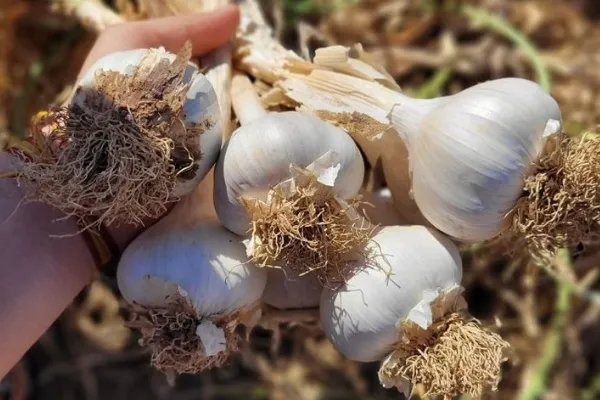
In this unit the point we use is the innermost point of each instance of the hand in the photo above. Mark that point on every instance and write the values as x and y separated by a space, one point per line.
41 274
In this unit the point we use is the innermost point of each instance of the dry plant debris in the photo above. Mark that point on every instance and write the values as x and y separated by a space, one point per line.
118 152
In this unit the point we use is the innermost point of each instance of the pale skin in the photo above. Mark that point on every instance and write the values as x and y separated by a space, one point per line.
42 274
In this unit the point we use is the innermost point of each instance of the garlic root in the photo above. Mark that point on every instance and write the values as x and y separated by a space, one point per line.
119 149
454 356
561 202
177 343
307 230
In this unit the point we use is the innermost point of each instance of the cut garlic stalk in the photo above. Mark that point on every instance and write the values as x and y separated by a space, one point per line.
142 129
190 285
284 178
404 306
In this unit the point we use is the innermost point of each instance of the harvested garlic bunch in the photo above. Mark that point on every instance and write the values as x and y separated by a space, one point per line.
404 307
469 153
284 177
142 129
288 290
190 285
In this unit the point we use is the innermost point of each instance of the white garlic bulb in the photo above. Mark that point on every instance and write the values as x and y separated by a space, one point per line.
469 152
202 264
286 290
200 106
258 155
410 263
404 307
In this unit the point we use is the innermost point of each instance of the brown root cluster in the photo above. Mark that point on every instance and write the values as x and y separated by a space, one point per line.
308 231
455 356
561 203
170 334
117 152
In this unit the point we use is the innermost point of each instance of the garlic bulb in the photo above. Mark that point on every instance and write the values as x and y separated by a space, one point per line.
200 106
287 290
259 153
193 282
470 152
142 129
408 288
281 173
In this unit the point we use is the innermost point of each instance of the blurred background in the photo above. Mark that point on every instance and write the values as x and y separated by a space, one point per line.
431 48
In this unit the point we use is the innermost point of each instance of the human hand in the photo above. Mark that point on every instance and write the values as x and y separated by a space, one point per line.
42 274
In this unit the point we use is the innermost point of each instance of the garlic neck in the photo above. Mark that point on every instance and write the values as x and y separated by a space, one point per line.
245 100
408 114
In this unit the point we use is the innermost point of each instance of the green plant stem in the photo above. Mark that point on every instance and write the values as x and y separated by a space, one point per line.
552 346
503 27
589 295
433 87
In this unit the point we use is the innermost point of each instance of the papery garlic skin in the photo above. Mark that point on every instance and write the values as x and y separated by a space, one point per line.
286 290
258 157
469 152
200 106
202 262
410 264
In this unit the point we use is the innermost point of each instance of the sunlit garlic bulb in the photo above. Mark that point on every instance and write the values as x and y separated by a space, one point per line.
285 175
404 306
142 128
190 285
470 152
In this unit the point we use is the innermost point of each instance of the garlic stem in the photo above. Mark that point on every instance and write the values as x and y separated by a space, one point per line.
246 103
407 114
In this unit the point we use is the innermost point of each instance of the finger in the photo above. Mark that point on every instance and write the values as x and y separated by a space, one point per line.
206 31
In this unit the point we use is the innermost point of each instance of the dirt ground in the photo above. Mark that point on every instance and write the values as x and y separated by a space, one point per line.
551 319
